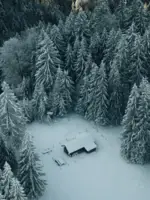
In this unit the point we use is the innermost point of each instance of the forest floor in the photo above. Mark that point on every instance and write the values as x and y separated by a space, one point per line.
101 175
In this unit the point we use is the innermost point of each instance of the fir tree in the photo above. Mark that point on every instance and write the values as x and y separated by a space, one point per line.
58 40
101 96
140 142
7 155
47 62
27 107
129 123
69 63
30 171
81 59
137 61
6 180
16 191
39 102
111 43
2 197
12 119
91 110
82 99
62 94
115 95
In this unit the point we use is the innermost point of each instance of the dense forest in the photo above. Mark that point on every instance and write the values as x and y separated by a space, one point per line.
54 62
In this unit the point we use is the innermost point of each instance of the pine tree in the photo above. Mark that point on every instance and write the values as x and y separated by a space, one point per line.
30 171
140 143
39 102
146 44
81 59
47 62
82 99
27 107
62 94
129 123
115 95
7 155
111 43
91 110
16 191
137 61
58 40
6 180
101 96
69 63
12 119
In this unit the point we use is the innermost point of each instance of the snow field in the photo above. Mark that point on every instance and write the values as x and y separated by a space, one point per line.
101 175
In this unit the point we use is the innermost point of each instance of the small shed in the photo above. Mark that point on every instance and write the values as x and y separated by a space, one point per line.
79 145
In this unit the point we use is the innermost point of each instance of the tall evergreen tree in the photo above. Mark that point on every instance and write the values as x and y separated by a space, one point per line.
39 102
140 143
12 119
69 62
58 40
7 155
137 61
101 96
115 95
2 197
62 93
30 171
129 123
91 110
6 180
16 191
111 43
81 59
47 62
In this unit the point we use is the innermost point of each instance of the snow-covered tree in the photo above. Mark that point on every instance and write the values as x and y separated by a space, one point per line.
101 96
82 99
7 155
6 180
62 93
140 139
81 59
58 40
12 119
27 107
69 60
137 61
16 191
111 43
129 123
47 63
39 102
91 110
115 95
69 27
30 170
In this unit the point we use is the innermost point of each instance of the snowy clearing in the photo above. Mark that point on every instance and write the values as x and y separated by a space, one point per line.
101 175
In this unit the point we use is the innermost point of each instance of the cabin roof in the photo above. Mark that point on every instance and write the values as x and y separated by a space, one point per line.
80 142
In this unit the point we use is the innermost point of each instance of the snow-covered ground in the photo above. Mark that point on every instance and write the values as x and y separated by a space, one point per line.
101 175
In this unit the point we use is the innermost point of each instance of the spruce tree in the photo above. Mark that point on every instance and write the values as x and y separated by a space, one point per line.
16 191
81 59
140 142
7 155
111 43
47 63
30 170
69 63
115 95
58 40
69 27
129 123
62 94
137 61
39 102
101 96
91 110
2 197
12 119
6 180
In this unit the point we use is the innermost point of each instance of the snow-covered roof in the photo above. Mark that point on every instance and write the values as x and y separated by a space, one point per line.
84 141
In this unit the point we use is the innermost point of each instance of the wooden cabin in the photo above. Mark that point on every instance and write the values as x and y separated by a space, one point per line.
79 145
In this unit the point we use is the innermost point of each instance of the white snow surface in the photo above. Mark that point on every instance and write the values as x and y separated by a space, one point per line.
101 175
